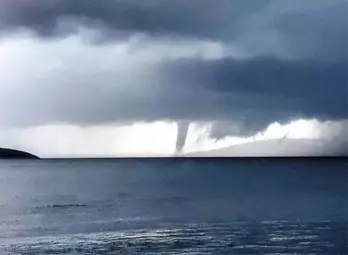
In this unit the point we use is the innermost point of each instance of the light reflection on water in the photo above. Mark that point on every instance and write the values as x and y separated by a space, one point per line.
220 238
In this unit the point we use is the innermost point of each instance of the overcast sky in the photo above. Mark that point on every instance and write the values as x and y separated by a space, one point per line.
117 77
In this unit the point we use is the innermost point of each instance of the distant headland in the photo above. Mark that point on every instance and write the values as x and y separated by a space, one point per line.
15 154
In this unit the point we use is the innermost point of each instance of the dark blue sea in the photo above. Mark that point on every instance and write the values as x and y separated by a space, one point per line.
174 206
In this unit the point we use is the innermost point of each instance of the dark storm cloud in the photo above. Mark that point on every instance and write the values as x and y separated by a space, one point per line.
320 33
264 89
252 93
197 17
297 28
303 75
296 22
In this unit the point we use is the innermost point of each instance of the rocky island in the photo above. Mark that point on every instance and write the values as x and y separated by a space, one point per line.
15 154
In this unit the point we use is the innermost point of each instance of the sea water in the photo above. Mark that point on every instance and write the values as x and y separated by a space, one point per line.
173 206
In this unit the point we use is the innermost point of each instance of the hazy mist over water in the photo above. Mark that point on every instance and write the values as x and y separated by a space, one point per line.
173 206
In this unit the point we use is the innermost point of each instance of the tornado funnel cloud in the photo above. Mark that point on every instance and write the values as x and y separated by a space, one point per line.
183 127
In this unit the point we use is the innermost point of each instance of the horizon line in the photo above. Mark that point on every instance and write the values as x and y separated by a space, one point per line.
198 158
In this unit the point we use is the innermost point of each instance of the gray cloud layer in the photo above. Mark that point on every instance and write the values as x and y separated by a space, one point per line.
301 28
196 17
293 60
253 92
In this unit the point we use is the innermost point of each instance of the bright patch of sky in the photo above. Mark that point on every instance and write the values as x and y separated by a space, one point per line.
150 139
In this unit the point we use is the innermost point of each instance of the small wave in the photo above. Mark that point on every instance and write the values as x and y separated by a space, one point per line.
287 238
59 206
